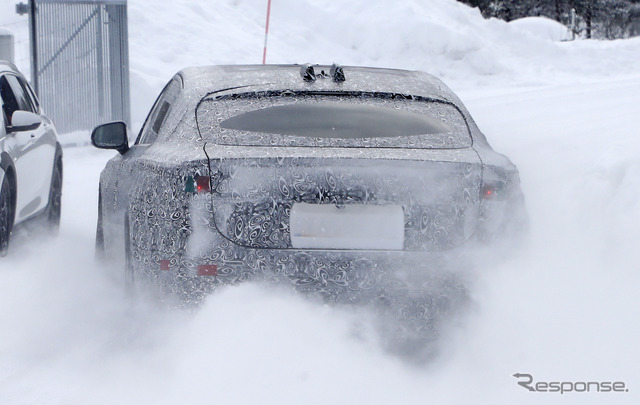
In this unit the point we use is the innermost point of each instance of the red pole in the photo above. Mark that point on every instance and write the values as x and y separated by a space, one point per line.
266 33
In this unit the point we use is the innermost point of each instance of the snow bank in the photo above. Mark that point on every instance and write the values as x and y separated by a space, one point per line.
543 28
442 37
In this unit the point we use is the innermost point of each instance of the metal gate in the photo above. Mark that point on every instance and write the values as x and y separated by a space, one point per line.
80 61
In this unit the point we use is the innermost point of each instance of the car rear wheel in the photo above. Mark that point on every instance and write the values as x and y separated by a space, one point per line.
55 201
128 260
100 249
6 216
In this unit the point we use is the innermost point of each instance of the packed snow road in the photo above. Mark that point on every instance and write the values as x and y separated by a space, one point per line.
563 309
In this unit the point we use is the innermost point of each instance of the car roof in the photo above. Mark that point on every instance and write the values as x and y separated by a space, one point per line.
200 81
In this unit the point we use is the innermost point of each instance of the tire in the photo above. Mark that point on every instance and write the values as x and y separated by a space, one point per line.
54 207
100 249
6 216
128 260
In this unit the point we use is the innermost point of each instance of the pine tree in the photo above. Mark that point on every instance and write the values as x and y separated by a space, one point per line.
586 9
609 18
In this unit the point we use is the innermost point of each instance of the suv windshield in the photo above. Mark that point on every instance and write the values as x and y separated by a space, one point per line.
325 119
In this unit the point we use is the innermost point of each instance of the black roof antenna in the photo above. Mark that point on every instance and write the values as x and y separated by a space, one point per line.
307 73
337 73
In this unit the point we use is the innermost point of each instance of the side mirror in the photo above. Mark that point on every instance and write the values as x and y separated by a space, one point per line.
24 121
111 136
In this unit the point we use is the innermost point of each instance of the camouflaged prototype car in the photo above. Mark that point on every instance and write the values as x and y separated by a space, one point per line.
348 183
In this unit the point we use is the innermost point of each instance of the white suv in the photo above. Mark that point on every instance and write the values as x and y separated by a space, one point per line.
30 158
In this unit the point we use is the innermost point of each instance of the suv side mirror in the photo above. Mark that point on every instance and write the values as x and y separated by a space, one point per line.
112 135
24 121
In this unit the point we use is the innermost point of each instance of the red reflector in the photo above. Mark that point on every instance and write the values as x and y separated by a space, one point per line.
164 264
207 270
488 192
202 184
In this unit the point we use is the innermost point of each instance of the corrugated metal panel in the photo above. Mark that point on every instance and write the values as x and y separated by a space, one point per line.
6 46
83 1
82 58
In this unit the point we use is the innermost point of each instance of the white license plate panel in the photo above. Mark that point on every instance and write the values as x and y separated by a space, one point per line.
358 227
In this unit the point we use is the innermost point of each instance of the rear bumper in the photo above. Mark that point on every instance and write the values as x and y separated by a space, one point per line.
412 285
189 257
418 290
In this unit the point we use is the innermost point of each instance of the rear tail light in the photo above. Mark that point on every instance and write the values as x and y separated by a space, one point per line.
498 184
203 184
197 184
493 191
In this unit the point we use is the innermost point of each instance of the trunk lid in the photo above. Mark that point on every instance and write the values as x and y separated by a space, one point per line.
345 198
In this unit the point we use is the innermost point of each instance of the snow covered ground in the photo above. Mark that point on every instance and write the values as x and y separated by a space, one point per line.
564 309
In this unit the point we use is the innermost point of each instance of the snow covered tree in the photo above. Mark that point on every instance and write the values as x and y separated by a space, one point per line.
601 18
586 9
513 9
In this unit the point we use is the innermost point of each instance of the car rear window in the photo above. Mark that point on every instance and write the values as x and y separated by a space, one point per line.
331 119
